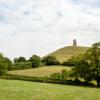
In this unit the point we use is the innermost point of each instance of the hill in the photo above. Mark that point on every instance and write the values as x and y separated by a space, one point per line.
65 53
23 90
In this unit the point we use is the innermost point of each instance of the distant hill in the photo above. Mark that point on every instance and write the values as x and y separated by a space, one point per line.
65 53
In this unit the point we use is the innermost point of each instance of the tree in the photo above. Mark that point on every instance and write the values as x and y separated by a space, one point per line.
82 69
21 59
93 58
87 66
70 61
35 60
15 60
64 74
50 60
9 63
5 64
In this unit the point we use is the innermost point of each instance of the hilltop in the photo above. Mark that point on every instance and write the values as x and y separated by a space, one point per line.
66 52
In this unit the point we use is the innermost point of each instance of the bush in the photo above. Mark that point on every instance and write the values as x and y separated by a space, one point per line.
9 63
35 60
50 60
69 62
25 78
21 66
21 59
63 75
2 72
4 64
55 76
45 80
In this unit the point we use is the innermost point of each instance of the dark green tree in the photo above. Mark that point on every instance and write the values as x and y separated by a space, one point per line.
5 64
15 60
70 61
21 59
87 66
35 60
82 69
93 58
9 63
50 60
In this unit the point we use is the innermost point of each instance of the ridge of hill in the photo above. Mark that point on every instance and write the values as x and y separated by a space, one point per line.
66 52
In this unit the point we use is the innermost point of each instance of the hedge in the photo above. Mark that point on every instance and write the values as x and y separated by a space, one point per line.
45 80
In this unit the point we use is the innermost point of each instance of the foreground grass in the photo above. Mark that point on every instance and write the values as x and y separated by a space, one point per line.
39 72
22 90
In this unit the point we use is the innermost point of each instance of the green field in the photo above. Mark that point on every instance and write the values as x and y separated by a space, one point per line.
39 72
65 53
22 90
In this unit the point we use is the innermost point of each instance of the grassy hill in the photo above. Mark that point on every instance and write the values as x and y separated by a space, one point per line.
39 72
65 53
23 90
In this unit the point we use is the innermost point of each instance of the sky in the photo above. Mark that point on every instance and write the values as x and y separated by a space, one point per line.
39 27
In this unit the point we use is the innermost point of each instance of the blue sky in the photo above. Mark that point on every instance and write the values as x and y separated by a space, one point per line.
30 27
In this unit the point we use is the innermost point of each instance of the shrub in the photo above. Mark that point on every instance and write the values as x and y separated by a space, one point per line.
4 64
2 72
35 60
55 76
21 66
21 59
50 60
63 75
70 62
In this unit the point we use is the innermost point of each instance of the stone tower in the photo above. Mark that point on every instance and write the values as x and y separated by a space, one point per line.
74 42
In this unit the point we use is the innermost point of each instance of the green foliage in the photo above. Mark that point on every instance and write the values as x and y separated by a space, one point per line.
87 66
55 76
15 60
82 69
5 64
35 60
70 61
21 66
2 72
60 76
21 59
9 63
93 58
50 60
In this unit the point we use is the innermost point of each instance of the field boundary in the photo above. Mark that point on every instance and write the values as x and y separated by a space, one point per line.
46 80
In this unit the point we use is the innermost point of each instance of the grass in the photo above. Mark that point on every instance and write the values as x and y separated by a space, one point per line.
22 90
39 72
65 53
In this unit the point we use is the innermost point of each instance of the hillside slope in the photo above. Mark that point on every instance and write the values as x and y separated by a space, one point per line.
40 72
65 53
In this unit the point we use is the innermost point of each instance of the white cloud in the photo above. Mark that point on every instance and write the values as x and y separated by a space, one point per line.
41 26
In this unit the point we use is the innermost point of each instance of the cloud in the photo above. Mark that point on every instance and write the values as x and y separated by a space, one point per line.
41 26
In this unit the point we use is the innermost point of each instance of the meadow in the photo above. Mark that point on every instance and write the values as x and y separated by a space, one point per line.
40 72
23 90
